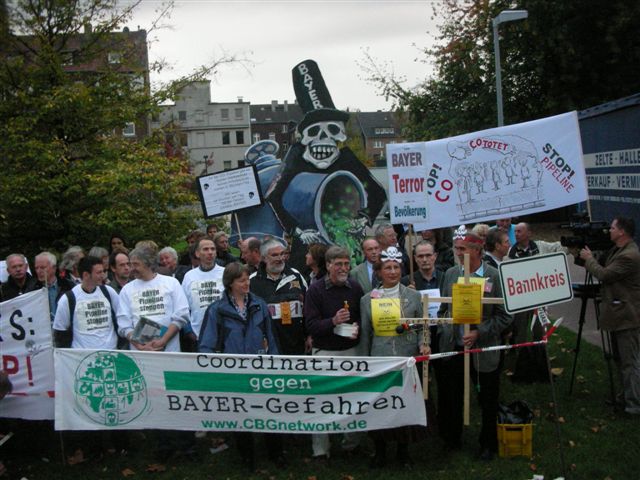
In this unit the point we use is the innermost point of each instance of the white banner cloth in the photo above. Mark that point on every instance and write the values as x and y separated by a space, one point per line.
27 356
477 177
102 389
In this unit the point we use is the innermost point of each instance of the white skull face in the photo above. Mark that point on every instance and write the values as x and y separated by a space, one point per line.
321 140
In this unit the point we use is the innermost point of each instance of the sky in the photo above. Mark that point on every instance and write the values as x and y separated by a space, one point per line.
277 35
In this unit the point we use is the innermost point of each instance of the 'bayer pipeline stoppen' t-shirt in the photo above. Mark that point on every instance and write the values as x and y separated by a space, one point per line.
202 289
92 323
160 299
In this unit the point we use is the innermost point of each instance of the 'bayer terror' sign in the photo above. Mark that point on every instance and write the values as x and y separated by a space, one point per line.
536 281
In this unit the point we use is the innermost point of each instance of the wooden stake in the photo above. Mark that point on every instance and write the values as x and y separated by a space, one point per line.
235 215
426 339
410 253
467 364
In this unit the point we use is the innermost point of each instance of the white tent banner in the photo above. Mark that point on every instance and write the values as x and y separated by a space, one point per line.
502 172
27 356
104 389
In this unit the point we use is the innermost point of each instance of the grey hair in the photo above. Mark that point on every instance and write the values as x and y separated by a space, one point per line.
51 258
71 257
268 245
336 251
98 252
171 251
379 232
146 255
14 255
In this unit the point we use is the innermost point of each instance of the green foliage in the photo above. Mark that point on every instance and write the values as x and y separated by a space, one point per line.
69 176
355 141
565 56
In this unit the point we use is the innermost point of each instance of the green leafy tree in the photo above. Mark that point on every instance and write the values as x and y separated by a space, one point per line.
565 56
69 175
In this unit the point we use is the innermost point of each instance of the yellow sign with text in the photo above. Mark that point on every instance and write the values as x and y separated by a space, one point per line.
467 302
385 316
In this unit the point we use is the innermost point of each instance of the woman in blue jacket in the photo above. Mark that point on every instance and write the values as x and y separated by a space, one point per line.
240 323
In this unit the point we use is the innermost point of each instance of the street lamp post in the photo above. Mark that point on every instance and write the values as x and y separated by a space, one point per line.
503 17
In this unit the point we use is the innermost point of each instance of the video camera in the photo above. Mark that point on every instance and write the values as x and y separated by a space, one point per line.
595 235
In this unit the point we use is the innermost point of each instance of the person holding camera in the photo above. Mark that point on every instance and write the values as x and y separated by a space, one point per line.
619 274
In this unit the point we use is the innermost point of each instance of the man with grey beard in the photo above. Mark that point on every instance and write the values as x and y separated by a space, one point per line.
283 288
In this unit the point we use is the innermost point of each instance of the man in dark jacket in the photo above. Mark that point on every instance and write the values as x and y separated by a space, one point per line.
332 315
619 275
283 288
20 281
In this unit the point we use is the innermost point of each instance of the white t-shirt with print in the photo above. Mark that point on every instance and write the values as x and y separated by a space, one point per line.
92 322
160 299
202 289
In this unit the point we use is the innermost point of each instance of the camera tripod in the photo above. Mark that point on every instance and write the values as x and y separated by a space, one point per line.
591 291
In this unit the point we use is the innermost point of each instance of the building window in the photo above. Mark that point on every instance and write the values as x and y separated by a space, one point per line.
239 137
199 116
226 138
129 130
384 131
182 115
256 137
378 144
200 139
184 140
241 163
285 129
238 113
272 136
227 164
155 117
114 57
224 113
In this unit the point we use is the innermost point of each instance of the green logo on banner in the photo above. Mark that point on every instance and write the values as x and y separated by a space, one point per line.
110 389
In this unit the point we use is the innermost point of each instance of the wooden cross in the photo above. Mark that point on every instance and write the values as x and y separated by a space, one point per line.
426 321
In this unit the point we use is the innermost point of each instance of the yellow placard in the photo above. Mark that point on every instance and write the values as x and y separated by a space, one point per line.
475 280
467 302
385 316
285 313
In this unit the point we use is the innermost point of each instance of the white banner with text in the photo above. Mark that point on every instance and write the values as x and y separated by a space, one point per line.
502 172
27 356
104 389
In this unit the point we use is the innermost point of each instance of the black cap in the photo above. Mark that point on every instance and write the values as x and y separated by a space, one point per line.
313 96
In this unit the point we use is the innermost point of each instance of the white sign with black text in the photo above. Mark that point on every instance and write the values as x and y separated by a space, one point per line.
229 191
536 281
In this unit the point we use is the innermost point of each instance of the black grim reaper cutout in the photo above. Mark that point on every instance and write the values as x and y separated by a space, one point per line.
321 193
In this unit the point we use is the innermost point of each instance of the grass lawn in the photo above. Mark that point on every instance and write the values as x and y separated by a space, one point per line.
598 443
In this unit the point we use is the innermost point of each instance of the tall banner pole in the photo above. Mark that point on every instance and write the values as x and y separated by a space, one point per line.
410 253
467 364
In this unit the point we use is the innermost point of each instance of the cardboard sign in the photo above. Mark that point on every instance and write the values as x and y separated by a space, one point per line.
467 303
532 282
229 191
385 316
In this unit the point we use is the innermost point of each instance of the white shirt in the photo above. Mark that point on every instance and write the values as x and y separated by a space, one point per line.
202 289
160 299
92 323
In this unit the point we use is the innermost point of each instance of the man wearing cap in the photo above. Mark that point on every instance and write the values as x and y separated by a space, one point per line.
485 367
